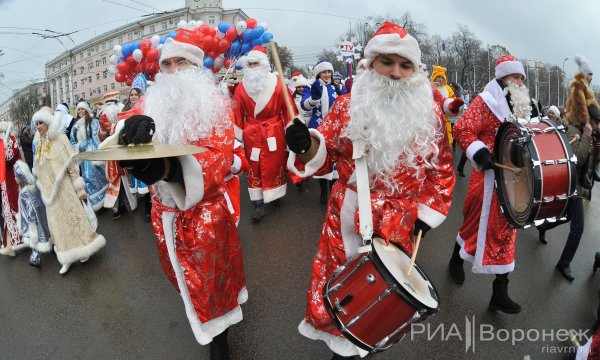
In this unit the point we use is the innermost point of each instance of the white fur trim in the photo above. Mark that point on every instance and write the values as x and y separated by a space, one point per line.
430 216
352 240
393 44
263 98
309 103
256 56
447 110
322 66
55 187
112 140
22 167
172 48
84 105
62 108
44 115
509 67
472 149
274 194
337 344
73 255
255 194
193 179
237 164
204 333
239 133
315 163
296 81
236 144
43 247
79 184
493 96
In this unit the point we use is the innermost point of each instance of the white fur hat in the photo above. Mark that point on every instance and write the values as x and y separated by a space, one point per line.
555 110
45 115
298 80
84 105
583 64
393 39
507 65
257 54
321 66
173 48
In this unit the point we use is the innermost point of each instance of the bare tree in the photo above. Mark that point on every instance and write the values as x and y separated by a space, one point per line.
467 49
26 102
285 57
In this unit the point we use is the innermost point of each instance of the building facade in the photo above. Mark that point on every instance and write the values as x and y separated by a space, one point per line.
81 73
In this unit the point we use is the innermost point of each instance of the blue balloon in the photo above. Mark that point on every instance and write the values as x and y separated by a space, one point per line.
245 48
266 37
236 46
237 67
121 59
163 39
257 42
172 34
258 31
135 45
126 50
223 26
247 35
208 61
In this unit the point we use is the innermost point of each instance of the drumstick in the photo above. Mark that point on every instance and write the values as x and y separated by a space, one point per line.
513 169
574 139
414 254
284 88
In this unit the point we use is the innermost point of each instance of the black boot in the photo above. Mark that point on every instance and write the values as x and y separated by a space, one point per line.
258 212
340 357
596 261
323 185
596 177
457 273
500 299
542 236
219 347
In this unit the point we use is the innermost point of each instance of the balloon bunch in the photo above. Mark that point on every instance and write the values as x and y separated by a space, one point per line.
140 56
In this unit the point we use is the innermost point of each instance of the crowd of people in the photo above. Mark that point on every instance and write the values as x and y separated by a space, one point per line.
404 123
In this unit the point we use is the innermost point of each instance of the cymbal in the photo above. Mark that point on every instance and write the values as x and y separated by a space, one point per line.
140 151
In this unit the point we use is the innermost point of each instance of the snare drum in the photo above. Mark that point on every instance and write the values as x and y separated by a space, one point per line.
373 302
542 190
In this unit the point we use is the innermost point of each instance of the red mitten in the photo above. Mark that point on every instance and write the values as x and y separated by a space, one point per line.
455 105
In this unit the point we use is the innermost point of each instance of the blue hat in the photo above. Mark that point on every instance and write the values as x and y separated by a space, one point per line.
337 75
321 66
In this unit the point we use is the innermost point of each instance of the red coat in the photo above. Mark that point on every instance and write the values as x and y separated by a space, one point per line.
393 215
198 244
10 195
490 244
262 120
232 181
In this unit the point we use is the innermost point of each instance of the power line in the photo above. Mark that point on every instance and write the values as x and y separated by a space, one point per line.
130 7
141 3
306 12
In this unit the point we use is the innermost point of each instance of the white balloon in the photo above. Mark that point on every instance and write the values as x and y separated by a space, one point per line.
155 40
113 59
199 22
137 55
218 62
117 50
241 26
192 24
182 24
264 24
112 69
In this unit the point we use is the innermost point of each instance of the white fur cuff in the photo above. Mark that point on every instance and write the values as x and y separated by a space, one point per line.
447 110
430 216
315 163
78 184
472 149
193 179
237 165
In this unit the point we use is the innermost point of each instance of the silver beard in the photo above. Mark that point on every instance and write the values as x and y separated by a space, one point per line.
519 99
255 79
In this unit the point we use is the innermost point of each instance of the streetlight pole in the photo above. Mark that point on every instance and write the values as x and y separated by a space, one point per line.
562 75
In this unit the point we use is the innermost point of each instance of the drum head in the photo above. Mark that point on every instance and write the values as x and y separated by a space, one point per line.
397 262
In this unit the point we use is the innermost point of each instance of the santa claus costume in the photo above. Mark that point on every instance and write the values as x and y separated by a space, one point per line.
239 166
260 112
9 190
485 238
408 160
198 243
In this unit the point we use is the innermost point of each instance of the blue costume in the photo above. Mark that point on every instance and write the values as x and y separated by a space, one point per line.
318 105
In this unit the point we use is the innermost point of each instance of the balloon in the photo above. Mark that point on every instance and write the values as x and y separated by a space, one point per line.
264 25
218 62
172 34
199 22
211 31
113 59
181 24
251 23
128 81
257 42
152 67
162 39
145 45
152 55
112 69
209 43
126 50
155 40
266 38
223 27
214 69
235 47
247 37
204 29
245 48
121 59
240 27
137 55
130 60
230 34
227 62
119 77
257 32
223 46
212 54
208 61
192 24
135 45
123 68
117 50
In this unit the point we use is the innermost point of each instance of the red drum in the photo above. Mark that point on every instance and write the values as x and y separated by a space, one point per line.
542 190
373 302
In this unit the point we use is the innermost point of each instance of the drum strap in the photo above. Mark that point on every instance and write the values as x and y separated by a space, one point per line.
365 215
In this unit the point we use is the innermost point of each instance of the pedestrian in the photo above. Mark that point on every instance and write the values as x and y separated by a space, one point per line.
408 157
67 120
260 112
62 191
485 237
338 84
26 143
198 243
298 82
33 223
84 137
554 115
11 240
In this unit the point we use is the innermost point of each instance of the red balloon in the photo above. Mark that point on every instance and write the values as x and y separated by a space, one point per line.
123 67
251 23
131 61
231 34
213 54
209 43
227 62
152 55
152 67
120 77
204 29
223 46
128 82
214 70
145 46
211 31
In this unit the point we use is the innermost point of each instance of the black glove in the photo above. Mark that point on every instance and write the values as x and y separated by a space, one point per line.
316 90
516 155
484 158
151 171
138 129
420 225
297 137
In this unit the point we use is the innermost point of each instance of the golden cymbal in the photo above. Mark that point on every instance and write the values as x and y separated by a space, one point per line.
140 151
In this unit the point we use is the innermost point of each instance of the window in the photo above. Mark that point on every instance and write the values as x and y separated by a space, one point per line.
91 93
122 85
110 44
129 36
81 70
211 20
98 90
74 72
97 76
152 29
97 48
164 25
81 56
90 65
112 86
105 88
83 95
82 82
120 40
103 61
75 85
104 74
89 78
97 62
104 45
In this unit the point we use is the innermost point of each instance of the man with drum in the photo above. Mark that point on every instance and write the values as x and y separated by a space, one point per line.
485 238
198 243
392 112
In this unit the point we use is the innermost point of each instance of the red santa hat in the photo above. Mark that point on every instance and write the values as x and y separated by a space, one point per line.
507 65
257 54
298 80
393 39
174 48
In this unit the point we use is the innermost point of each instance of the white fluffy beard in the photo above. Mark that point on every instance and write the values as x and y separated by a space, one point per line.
519 99
111 110
255 79
186 106
397 120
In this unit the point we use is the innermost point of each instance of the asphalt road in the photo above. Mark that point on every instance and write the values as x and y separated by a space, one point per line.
119 305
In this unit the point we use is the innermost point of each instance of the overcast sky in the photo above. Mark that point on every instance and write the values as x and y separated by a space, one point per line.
545 30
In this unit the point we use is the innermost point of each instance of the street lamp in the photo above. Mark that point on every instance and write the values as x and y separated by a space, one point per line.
561 75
